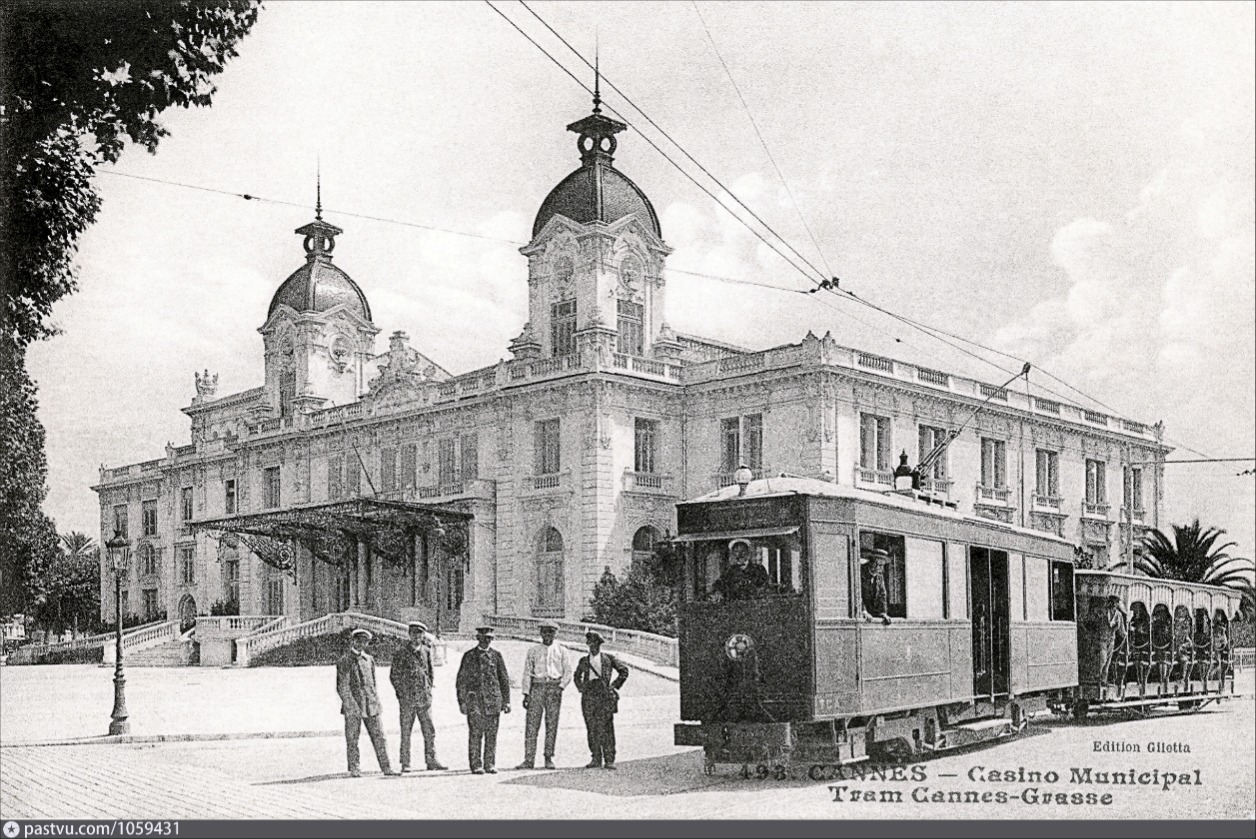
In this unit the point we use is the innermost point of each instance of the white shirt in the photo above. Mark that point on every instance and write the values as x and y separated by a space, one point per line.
595 664
546 662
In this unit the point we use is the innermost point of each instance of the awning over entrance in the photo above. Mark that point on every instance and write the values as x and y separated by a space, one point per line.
332 531
729 535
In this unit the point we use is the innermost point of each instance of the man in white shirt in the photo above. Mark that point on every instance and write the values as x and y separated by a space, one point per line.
546 672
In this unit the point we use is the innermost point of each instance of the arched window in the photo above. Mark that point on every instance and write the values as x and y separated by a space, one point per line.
643 542
549 574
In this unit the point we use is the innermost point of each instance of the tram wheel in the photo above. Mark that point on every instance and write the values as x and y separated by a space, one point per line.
1081 708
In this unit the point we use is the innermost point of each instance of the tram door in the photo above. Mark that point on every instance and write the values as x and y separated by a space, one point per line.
991 630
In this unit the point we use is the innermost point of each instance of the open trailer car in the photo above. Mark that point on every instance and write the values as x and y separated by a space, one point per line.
976 626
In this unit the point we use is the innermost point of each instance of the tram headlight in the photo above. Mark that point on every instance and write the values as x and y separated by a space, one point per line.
738 646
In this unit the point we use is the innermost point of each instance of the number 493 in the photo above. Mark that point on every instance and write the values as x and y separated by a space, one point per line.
764 772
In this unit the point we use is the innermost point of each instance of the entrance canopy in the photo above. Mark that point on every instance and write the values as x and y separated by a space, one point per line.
333 531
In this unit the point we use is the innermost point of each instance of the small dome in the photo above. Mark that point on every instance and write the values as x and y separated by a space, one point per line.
597 192
318 286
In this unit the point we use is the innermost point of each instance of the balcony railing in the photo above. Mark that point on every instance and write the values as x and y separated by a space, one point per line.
741 363
875 362
935 486
1097 419
988 494
933 377
550 481
651 482
1096 509
1047 502
1048 405
992 392
876 477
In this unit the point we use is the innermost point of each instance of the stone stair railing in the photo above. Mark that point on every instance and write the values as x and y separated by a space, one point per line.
249 647
31 653
656 648
140 638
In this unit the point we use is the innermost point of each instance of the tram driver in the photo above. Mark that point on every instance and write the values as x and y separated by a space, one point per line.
745 576
876 598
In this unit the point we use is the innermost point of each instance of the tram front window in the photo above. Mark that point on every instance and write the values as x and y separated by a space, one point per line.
746 569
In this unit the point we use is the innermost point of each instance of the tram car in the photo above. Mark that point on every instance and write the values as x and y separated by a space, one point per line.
823 624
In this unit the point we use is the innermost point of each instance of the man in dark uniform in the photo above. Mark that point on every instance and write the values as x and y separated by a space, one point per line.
411 676
599 699
359 702
483 696
876 599
742 579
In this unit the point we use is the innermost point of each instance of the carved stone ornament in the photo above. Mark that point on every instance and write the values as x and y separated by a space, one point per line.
206 385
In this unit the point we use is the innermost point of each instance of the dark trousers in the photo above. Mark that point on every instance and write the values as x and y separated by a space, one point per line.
482 735
409 712
353 731
599 720
545 700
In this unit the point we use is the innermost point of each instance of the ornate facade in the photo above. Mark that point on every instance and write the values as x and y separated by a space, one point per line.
571 455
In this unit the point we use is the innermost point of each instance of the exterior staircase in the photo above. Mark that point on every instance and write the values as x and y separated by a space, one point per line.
176 653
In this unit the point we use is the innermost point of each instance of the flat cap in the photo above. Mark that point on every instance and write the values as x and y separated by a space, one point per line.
418 625
593 635
548 625
875 553
484 630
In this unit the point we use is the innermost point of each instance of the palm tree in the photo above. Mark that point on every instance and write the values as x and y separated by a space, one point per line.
78 545
1193 556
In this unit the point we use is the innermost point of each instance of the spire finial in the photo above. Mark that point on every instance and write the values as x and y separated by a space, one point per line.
597 75
318 188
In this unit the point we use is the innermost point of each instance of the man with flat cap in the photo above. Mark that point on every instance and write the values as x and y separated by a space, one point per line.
411 676
599 676
483 696
876 599
546 673
359 702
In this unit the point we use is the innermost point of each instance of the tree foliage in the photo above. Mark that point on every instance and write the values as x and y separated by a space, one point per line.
1195 554
70 587
644 600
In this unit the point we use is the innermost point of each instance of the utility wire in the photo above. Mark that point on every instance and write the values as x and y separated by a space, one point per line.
827 270
652 144
670 139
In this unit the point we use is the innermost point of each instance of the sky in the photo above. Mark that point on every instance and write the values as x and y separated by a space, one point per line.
1068 184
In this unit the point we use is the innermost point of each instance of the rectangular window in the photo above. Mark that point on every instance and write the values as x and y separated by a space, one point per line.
446 462
287 392
270 487
925 579
353 476
335 476
752 440
148 518
1048 483
1061 591
187 566
1096 482
893 572
631 328
232 582
931 438
993 463
957 582
388 469
148 558
185 504
1134 492
874 442
548 461
274 596
645 449
470 461
119 521
730 440
150 603
229 497
409 465
563 327
1037 589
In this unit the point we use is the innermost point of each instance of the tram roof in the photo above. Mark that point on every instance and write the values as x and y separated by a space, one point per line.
785 485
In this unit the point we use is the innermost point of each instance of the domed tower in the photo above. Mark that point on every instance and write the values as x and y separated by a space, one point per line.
595 262
318 332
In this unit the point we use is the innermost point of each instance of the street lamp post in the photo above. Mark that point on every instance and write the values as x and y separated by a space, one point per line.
118 547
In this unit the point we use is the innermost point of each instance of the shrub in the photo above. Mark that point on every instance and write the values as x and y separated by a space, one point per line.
325 649
645 600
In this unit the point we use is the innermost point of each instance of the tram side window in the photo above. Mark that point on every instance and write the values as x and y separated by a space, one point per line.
893 571
1061 591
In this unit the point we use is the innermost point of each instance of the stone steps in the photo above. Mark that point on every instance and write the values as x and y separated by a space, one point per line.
176 653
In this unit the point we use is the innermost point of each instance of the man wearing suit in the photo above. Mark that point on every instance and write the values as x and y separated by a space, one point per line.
359 702
599 699
483 696
411 676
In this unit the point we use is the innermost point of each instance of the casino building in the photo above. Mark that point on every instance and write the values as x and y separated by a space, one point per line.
568 457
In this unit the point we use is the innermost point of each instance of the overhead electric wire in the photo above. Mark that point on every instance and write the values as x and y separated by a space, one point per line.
645 137
670 139
762 142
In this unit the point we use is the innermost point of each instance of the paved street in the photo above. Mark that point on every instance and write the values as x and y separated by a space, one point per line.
304 777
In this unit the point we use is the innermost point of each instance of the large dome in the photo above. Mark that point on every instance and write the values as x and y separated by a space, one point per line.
317 286
597 192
